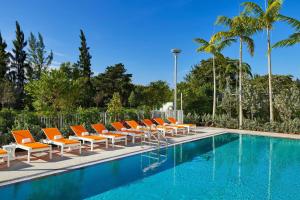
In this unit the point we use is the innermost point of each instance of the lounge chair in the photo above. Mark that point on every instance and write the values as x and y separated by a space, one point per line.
164 129
118 126
82 134
26 142
177 128
55 137
4 154
113 136
190 127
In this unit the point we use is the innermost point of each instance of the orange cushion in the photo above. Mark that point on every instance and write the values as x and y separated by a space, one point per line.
36 145
94 137
2 152
67 141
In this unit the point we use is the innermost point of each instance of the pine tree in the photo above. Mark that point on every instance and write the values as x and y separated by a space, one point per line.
19 68
4 58
84 65
38 58
84 57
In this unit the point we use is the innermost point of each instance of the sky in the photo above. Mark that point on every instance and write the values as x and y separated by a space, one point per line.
141 33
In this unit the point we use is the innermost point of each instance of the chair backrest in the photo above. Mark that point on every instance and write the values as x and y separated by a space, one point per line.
160 121
51 132
147 122
78 130
98 127
172 120
118 126
133 124
19 135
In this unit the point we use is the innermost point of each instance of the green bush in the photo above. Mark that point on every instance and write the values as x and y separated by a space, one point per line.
225 121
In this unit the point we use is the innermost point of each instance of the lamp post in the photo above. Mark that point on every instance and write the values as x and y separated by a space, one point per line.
175 53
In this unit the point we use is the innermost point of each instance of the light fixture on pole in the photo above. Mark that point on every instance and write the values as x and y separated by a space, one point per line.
175 53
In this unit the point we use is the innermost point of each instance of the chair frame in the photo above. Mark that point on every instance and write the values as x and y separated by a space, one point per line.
61 144
91 141
31 150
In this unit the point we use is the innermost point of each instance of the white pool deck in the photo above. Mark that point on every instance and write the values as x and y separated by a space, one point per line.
41 166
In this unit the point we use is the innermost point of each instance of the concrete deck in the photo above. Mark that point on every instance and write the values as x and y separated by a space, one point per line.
41 166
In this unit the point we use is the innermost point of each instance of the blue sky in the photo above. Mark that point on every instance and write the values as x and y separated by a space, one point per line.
140 33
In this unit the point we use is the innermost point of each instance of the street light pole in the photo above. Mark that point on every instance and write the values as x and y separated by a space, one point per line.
175 53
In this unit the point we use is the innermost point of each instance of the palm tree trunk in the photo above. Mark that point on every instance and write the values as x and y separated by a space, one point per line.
215 88
270 76
240 85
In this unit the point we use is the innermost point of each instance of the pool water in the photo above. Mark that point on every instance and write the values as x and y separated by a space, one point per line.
228 166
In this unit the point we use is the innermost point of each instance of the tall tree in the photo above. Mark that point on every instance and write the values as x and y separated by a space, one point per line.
241 28
114 79
84 65
19 68
38 57
84 57
266 19
4 58
213 47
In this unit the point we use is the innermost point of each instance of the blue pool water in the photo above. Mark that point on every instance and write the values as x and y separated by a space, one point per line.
229 166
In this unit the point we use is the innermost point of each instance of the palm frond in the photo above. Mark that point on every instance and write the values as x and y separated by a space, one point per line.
252 8
225 43
220 35
250 44
273 10
292 40
292 21
223 20
201 41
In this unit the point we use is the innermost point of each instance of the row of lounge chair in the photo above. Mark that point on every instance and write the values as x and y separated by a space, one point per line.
24 139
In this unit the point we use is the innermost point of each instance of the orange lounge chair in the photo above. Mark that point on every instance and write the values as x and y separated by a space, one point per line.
190 127
114 137
118 126
55 137
4 154
164 129
82 134
26 142
177 128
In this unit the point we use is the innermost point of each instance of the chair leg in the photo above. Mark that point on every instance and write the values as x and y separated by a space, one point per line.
8 161
106 143
50 152
92 146
28 157
62 150
133 139
126 141
80 148
113 142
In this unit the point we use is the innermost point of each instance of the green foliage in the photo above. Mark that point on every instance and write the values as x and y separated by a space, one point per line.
4 58
114 79
7 96
52 92
19 69
37 56
114 107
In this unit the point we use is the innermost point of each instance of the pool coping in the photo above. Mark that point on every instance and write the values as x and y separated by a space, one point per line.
87 164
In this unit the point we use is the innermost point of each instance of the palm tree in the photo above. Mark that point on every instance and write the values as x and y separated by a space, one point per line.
241 28
214 48
266 19
292 40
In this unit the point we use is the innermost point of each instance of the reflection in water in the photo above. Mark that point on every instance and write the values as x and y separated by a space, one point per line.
240 155
214 158
270 168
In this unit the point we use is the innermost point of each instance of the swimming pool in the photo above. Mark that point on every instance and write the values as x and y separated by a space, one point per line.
228 166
